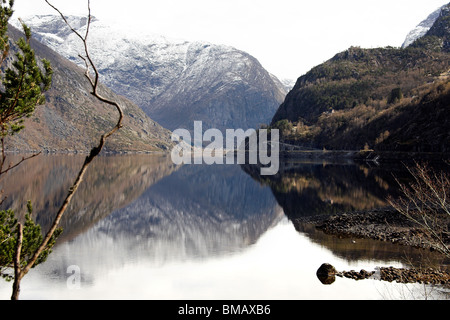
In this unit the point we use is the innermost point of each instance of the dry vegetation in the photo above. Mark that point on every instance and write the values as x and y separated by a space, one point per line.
425 202
359 98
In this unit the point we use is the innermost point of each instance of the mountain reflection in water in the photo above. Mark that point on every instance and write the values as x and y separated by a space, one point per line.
305 188
138 217
146 205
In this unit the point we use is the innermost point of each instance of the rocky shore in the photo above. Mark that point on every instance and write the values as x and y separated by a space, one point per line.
327 273
383 225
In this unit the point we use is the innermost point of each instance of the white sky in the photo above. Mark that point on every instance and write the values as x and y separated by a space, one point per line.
288 37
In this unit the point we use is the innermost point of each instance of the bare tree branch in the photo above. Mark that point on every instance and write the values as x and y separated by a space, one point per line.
11 166
95 151
424 202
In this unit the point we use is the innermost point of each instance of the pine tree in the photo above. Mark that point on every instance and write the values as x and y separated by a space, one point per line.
22 82
47 242
32 239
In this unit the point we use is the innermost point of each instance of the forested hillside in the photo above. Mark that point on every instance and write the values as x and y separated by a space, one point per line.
383 99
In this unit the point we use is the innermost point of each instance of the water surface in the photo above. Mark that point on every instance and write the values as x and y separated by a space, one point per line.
142 228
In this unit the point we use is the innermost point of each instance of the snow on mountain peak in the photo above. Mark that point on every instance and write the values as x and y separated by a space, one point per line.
172 80
422 28
119 48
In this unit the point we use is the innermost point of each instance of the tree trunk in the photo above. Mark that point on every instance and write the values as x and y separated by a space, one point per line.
17 271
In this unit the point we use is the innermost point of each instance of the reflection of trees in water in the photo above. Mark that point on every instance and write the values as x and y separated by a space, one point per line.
110 183
308 189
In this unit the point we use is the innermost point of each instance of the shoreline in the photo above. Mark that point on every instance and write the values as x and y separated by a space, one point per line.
383 224
84 152
369 156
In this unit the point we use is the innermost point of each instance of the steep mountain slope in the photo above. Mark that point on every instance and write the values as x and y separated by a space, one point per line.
221 86
423 125
422 28
73 120
361 97
174 81
438 36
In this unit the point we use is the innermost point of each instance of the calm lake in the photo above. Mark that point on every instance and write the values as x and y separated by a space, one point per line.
142 228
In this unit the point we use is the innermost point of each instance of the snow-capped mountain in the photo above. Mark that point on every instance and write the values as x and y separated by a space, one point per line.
72 120
422 28
174 81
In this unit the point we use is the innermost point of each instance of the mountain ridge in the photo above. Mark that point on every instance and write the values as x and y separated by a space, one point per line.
422 28
72 120
174 81
359 99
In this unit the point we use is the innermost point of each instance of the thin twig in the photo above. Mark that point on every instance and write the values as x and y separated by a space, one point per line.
10 167
424 203
95 151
